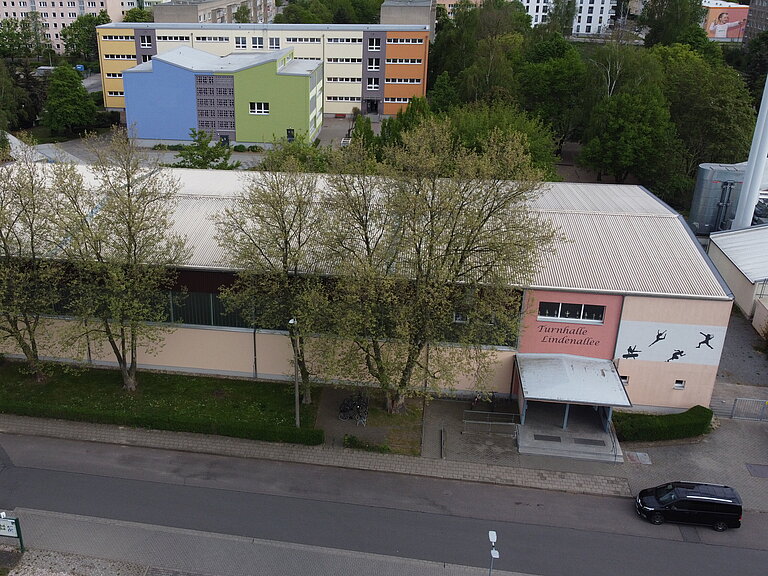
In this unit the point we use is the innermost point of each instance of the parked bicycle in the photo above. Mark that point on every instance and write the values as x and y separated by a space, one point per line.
355 407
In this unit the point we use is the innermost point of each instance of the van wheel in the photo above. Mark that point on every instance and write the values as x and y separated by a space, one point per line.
657 518
720 526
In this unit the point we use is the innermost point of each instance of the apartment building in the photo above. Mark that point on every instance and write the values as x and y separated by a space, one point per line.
592 16
376 68
58 14
213 11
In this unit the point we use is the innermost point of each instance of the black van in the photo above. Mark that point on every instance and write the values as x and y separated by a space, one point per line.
692 503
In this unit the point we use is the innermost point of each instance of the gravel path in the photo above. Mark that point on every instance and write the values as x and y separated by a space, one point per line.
46 563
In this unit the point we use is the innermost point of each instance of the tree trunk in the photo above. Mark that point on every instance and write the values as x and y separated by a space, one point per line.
395 402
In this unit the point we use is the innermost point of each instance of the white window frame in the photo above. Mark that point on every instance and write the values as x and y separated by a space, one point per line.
257 42
241 42
374 44
274 43
258 108
374 64
679 385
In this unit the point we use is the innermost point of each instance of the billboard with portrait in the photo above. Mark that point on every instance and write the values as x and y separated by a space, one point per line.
726 23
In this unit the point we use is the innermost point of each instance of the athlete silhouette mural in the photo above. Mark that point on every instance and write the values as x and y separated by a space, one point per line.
706 341
660 335
676 355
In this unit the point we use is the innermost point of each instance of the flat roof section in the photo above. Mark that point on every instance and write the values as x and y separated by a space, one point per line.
747 249
568 379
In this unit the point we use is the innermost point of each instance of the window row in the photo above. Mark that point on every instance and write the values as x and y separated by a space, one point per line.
120 56
405 40
566 311
114 74
212 38
340 79
303 40
116 93
345 40
397 100
173 38
345 60
110 37
343 99
403 60
403 80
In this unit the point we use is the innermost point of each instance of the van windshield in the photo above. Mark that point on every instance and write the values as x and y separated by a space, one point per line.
665 494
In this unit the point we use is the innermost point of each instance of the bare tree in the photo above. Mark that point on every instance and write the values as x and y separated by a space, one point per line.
118 237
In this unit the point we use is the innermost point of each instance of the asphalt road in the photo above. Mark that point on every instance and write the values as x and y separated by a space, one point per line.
540 532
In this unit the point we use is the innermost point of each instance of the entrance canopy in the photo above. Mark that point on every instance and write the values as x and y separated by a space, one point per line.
568 379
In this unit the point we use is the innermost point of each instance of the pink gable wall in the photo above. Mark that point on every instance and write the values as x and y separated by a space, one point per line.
580 339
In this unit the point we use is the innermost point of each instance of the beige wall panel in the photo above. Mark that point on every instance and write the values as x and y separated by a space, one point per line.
743 290
676 310
760 319
652 383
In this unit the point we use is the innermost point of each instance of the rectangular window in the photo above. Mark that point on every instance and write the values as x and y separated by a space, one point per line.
274 43
570 312
374 44
679 385
146 57
116 93
374 64
261 108
240 42
145 41
373 84
624 380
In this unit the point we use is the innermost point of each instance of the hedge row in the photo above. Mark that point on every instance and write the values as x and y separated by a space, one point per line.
310 437
632 427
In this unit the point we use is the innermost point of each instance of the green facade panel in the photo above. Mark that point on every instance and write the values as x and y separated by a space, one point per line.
288 99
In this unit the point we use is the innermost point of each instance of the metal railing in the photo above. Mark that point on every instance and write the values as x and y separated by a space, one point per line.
502 423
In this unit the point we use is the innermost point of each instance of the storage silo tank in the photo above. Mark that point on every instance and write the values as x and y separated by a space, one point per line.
715 197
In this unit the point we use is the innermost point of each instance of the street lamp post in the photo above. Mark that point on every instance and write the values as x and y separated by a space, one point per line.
494 552
294 345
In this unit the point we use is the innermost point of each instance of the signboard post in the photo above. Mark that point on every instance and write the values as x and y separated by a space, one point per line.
11 528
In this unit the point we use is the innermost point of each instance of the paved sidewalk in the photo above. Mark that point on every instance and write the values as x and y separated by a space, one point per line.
319 455
146 550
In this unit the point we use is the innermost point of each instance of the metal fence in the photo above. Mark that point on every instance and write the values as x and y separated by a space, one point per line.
750 409
502 423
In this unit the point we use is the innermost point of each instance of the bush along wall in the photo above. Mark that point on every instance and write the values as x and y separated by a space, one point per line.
633 427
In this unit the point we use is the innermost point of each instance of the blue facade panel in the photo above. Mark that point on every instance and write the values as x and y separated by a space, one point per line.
160 105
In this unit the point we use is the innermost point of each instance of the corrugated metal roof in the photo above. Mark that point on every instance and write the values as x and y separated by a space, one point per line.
617 239
747 249
572 379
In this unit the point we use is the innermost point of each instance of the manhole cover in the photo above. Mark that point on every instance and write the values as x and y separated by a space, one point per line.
758 470
546 438
589 442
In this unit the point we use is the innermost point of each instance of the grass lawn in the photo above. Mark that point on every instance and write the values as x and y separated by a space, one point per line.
165 401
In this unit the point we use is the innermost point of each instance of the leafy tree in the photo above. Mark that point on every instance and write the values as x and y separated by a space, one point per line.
120 243
200 154
474 123
271 234
29 279
242 15
305 12
11 100
68 106
444 94
756 66
696 38
80 39
491 76
551 84
709 105
561 15
627 132
443 233
668 20
309 156
140 15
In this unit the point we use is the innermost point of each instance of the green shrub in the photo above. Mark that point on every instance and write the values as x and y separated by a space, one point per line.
175 147
255 148
239 148
98 99
357 444
105 119
159 147
632 427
